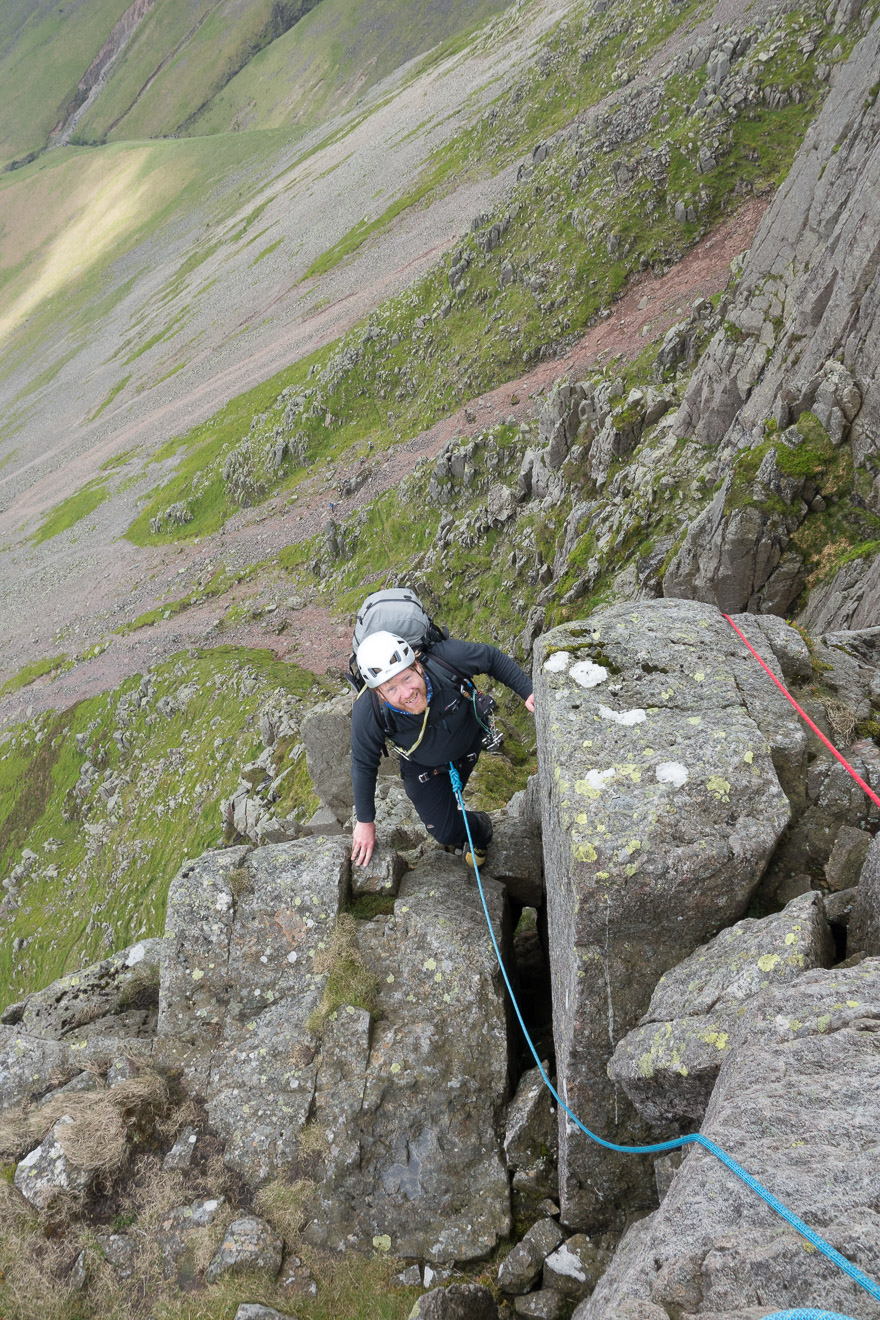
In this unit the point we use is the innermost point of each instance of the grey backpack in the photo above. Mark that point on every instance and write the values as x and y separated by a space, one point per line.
396 610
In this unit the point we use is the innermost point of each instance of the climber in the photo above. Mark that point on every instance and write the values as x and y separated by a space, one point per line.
424 705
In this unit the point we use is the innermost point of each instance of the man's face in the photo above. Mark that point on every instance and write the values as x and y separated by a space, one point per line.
406 690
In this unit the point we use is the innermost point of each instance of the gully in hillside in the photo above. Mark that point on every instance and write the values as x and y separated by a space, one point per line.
429 709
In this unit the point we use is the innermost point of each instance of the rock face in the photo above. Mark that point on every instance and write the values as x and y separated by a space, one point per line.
326 732
864 926
46 1172
391 1110
796 1104
408 1105
669 1064
661 809
116 996
802 336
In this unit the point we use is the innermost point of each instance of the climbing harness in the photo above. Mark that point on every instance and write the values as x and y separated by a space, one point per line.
692 1138
803 714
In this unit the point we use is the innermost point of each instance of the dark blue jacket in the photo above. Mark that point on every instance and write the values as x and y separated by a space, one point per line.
451 729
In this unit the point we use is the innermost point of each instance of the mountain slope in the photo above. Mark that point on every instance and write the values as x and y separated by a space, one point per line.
327 63
45 48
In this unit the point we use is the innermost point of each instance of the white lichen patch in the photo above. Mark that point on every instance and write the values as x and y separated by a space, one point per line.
628 717
135 955
558 662
564 1261
672 772
587 674
597 779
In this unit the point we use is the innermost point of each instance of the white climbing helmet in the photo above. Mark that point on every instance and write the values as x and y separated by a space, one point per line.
382 655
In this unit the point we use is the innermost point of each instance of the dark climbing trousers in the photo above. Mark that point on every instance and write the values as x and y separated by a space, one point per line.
430 792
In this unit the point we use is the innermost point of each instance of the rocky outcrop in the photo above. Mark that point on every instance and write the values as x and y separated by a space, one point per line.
661 809
864 926
388 1106
118 996
669 1064
802 336
796 1105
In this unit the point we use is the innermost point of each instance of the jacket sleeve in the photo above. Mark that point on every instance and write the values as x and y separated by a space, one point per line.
367 741
479 658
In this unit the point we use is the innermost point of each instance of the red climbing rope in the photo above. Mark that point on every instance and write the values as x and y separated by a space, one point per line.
803 714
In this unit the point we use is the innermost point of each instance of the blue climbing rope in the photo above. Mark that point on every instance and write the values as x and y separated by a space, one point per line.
807 1315
692 1138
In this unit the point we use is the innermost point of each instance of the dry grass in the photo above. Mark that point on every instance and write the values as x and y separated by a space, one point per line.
97 1137
349 980
313 1140
285 1205
843 721
38 1251
33 1267
240 881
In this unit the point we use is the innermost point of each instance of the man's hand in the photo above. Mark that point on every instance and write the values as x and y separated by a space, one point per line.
530 703
363 842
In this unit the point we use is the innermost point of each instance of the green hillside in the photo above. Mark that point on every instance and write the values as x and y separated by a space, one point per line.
205 66
179 58
45 48
332 58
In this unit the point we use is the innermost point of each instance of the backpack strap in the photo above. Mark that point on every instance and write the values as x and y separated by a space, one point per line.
437 660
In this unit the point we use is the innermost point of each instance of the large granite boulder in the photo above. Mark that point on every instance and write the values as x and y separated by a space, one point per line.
661 809
414 1160
669 1064
326 734
46 1173
389 1106
30 1066
797 1103
244 929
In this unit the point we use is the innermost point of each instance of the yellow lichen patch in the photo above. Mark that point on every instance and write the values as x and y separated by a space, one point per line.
631 772
633 846
719 1039
646 1066
582 818
749 757
695 719
585 852
719 788
791 937
585 789
823 1023
853 1003
429 964
699 676
768 961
